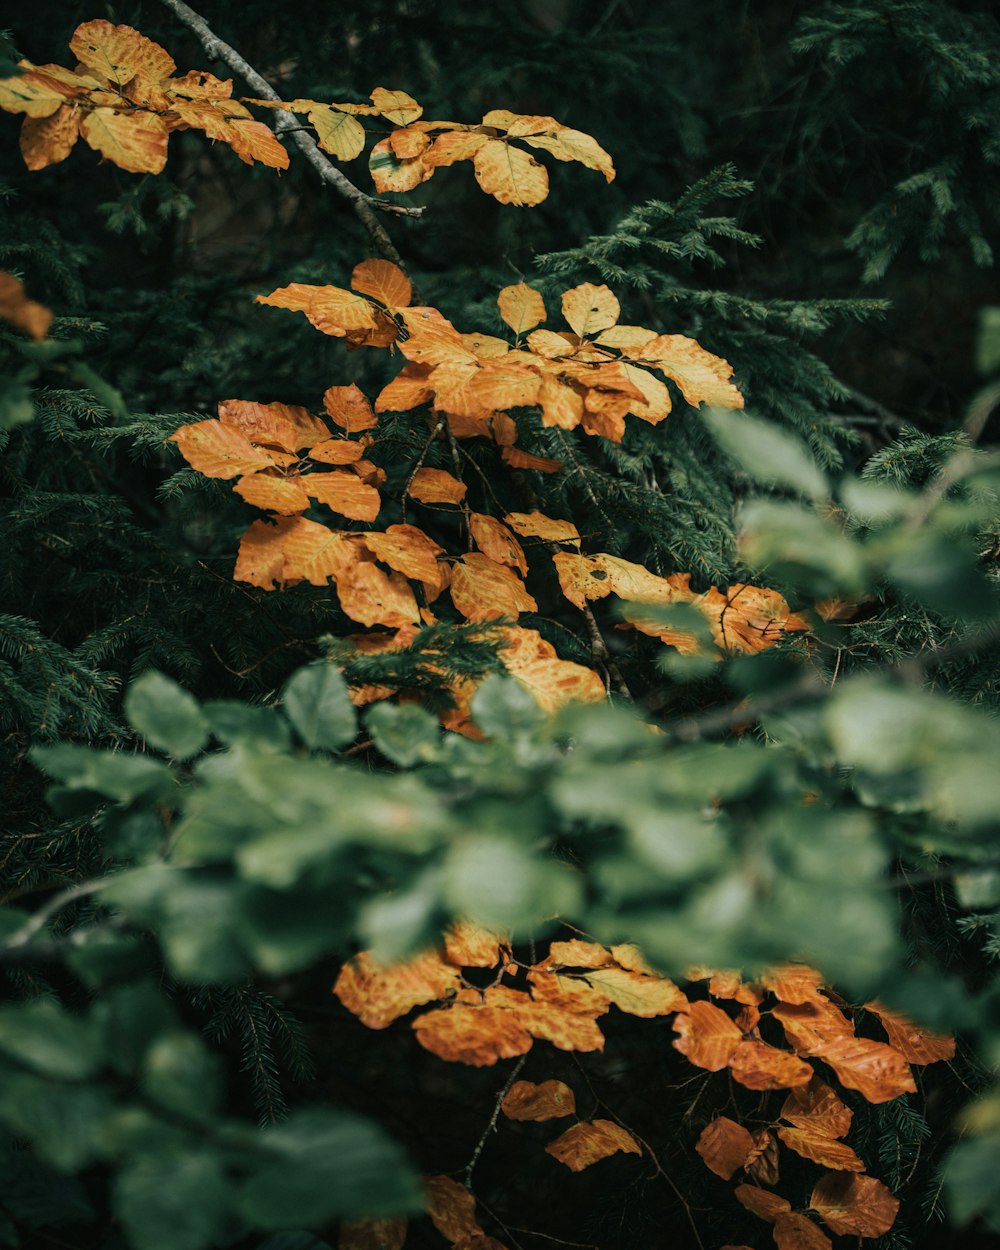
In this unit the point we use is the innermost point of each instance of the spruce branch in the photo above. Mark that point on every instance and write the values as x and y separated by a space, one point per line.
364 206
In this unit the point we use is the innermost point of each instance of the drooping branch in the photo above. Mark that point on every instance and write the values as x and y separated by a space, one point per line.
364 206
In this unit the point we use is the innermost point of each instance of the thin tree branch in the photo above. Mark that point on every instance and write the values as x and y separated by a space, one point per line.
511 1078
364 206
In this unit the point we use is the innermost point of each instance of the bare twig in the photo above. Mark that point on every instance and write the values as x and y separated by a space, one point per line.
511 1078
364 206
21 937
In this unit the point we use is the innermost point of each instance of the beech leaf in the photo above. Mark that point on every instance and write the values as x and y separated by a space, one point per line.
589 1142
547 1101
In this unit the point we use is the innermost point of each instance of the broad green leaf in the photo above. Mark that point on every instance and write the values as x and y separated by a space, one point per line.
175 1200
766 453
47 1039
115 774
182 1075
500 882
167 716
503 709
317 703
405 733
232 721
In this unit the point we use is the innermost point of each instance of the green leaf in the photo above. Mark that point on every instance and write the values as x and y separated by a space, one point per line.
175 1200
167 716
324 1166
766 453
38 1196
503 709
49 1040
317 702
972 1181
261 727
182 1075
499 882
405 733
115 774
64 1121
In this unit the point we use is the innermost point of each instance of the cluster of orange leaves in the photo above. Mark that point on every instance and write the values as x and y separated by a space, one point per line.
125 100
286 459
561 998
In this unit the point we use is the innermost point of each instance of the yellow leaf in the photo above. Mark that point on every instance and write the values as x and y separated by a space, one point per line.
656 403
724 1146
534 664
32 96
482 590
379 994
136 142
637 995
854 1206
574 145
700 376
436 486
590 1141
48 140
218 450
15 307
384 281
199 84
496 542
521 307
338 133
588 308
548 1101
372 1235
273 494
538 525
119 53
396 106
497 386
510 175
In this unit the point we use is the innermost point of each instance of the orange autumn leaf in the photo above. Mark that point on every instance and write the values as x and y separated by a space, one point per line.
331 309
564 1027
854 1206
762 1202
809 1026
521 307
707 1036
916 1045
344 492
724 1145
119 53
729 984
793 983
518 459
496 542
436 486
760 1066
548 1101
468 945
218 450
589 1142
285 426
48 140
476 1035
794 1231
700 376
589 309
408 550
821 1149
379 994
136 142
336 451
577 954
538 525
761 1165
748 618
817 1109
372 1234
384 281
482 590
372 597
15 307
451 1207
273 494
878 1072
534 663
510 174
315 553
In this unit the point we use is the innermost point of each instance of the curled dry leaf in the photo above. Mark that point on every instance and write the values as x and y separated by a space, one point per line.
591 1141
724 1145
372 1235
378 994
451 1207
496 542
548 1101
817 1109
762 1162
858 1206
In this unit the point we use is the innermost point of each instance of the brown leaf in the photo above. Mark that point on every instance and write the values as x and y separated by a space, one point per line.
759 1066
762 1202
496 542
378 994
915 1044
548 1101
821 1149
475 1035
875 1070
26 314
817 1109
762 1162
451 1207
372 1235
482 590
591 1141
521 307
724 1145
478 1241
858 1206
589 309
793 1231
518 459
707 1036
136 142
436 486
